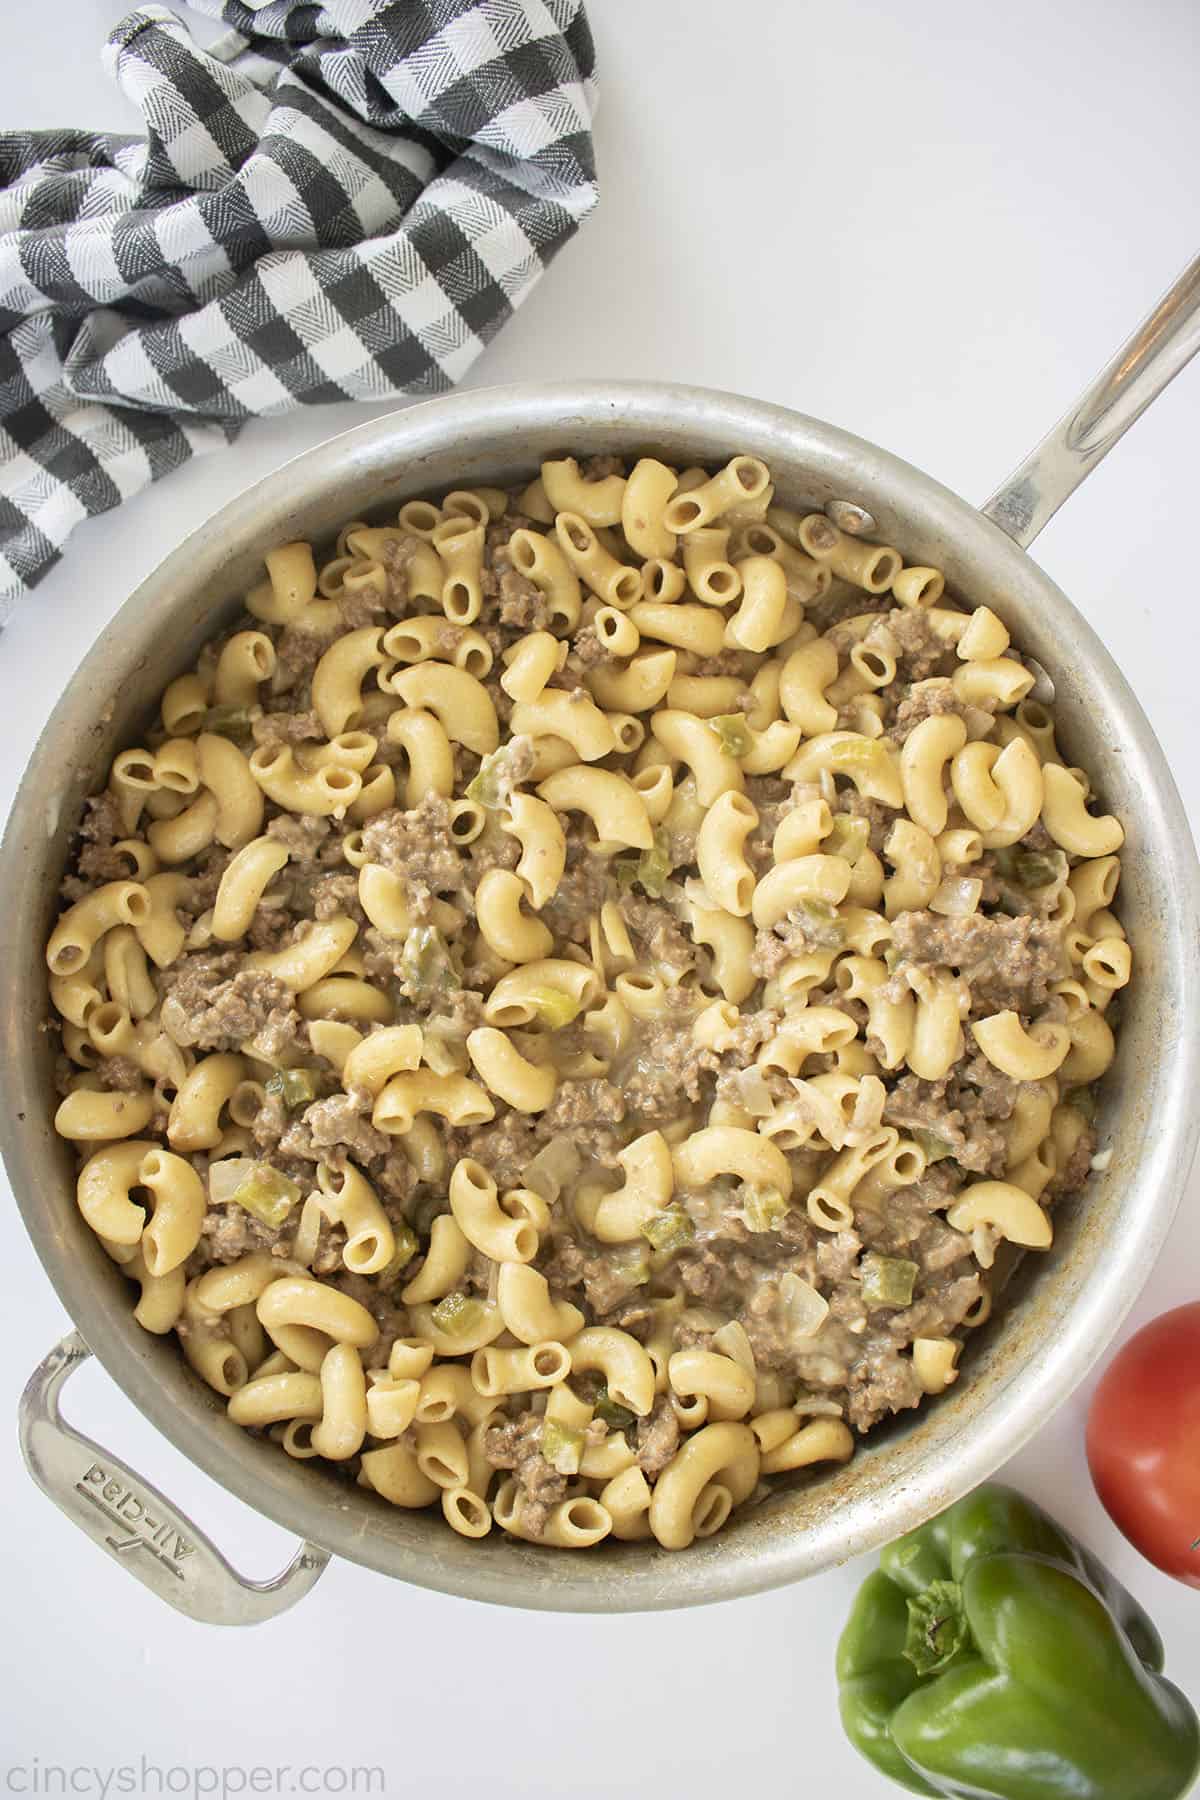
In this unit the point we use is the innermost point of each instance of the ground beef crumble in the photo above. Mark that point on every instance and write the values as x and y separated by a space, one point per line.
926 700
273 729
657 1437
304 836
418 845
516 1445
214 1003
337 1126
522 604
1006 962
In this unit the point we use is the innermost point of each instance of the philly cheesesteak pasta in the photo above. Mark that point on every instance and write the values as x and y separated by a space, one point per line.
577 1002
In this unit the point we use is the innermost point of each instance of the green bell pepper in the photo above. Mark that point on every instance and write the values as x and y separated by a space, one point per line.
992 1657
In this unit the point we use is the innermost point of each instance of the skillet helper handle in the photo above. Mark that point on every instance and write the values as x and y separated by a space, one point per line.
135 1523
1137 374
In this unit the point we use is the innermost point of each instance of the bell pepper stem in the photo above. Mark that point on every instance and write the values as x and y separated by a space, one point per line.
938 1632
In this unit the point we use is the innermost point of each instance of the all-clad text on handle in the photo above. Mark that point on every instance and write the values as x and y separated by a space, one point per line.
134 1522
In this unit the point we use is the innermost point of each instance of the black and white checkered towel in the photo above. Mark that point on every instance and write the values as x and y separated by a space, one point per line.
339 201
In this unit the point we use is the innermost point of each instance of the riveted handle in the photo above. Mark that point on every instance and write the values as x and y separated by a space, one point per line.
1164 341
134 1522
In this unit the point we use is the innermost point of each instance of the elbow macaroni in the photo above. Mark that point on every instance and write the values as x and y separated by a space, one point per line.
471 1056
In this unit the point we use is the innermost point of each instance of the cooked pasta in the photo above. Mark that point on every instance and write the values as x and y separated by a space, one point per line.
564 1004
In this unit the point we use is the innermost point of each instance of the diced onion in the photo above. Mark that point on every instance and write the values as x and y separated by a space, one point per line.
819 1110
263 1190
806 1311
632 1263
957 896
868 1107
809 1406
550 1171
1102 1160
443 1048
749 1086
733 1342
227 1175
848 838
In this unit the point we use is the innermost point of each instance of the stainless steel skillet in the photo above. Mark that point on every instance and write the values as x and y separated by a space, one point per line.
1060 1313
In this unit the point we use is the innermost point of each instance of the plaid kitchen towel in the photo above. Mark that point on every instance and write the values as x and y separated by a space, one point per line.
339 201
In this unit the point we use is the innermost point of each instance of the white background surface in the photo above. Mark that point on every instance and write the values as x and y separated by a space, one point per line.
928 224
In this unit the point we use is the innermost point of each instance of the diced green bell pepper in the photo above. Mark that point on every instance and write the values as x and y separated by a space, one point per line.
561 1446
616 1417
886 1280
268 1194
457 1314
668 1230
733 733
295 1087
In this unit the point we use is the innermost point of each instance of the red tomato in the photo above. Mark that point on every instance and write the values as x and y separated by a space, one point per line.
1143 1442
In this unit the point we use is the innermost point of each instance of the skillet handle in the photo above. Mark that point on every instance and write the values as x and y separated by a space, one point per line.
134 1522
1137 374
